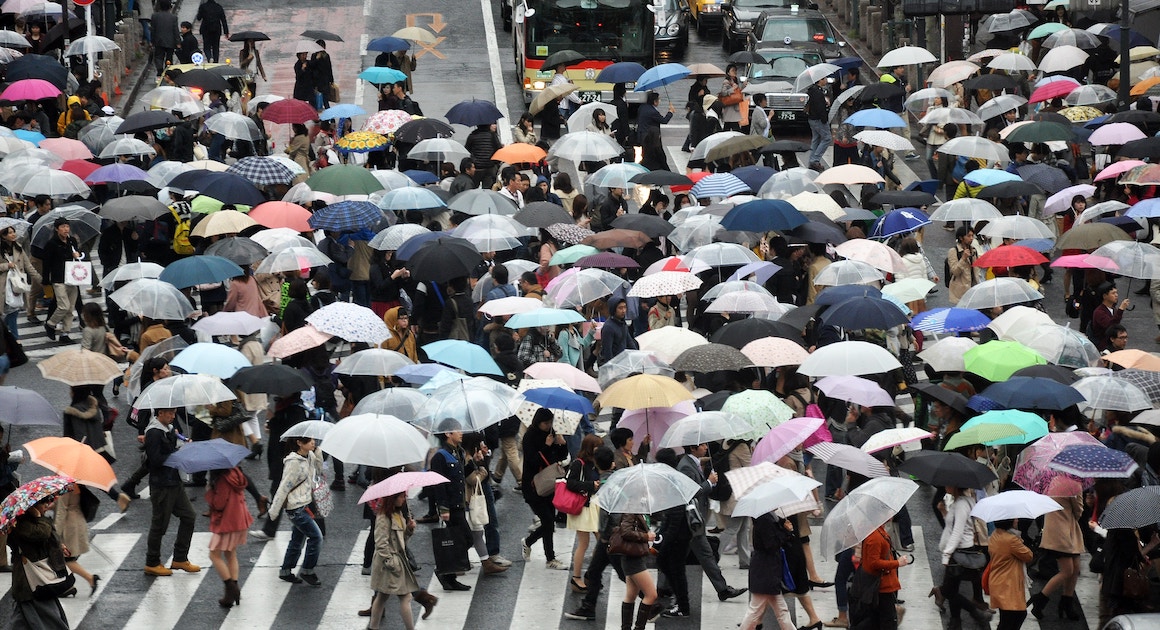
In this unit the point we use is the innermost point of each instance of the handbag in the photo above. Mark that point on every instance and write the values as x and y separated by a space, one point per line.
787 581
1135 585
477 516
863 594
78 273
449 546
323 501
733 98
47 582
970 559
545 480
568 501
694 519
13 300
18 280
618 545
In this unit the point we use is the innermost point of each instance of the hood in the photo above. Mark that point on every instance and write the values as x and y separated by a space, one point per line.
74 100
746 15
391 319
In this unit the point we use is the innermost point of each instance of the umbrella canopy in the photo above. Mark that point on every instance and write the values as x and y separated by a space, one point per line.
570 375
669 343
998 292
856 390
80 367
864 312
849 358
402 482
585 146
998 360
238 250
214 359
1026 392
946 355
375 440
1112 394
784 438
215 454
469 405
294 258
644 489
19 406
444 258
632 362
872 252
711 357
1090 236
195 270
776 495
35 491
862 511
760 408
275 379
229 323
906 437
643 390
463 355
393 401
1011 504
774 352
68 457
1091 461
850 458
947 469
183 390
155 299
1133 509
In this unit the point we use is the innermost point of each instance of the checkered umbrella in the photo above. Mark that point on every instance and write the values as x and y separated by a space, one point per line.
347 216
262 171
1146 380
1090 460
1133 509
719 185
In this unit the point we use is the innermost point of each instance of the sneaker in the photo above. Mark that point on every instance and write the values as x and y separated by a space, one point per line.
583 613
185 565
310 579
500 560
260 535
911 156
65 339
556 565
526 549
158 570
366 571
290 577
676 612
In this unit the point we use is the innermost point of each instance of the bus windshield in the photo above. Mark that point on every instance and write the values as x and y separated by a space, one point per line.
598 29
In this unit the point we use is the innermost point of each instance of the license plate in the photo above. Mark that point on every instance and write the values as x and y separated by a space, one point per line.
787 115
589 96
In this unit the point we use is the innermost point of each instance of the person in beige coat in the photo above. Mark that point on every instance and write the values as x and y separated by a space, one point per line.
960 260
1008 578
73 531
1063 539
391 572
14 258
737 535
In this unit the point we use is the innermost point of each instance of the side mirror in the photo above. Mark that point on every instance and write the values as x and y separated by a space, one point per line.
653 8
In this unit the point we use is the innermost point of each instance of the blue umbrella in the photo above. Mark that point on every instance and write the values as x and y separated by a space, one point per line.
421 177
215 454
559 398
411 198
1145 209
346 216
473 113
341 110
420 373
848 63
544 317
388 44
658 76
944 320
861 313
412 245
195 270
1134 38
982 404
379 75
753 176
1032 392
901 221
990 176
34 137
836 295
764 215
1041 245
1094 460
464 355
1097 121
214 359
873 117
718 185
621 72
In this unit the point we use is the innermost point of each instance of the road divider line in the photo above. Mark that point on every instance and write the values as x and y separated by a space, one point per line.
502 126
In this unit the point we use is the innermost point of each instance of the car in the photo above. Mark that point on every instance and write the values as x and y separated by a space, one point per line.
671 37
739 16
794 28
707 14
784 104
1140 621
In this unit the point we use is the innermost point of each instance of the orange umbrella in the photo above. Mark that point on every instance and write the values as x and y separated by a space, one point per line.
1143 86
1136 359
66 456
282 214
520 153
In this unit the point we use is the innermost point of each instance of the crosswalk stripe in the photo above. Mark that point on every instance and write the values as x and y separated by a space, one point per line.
453 605
262 591
160 608
350 592
107 553
546 599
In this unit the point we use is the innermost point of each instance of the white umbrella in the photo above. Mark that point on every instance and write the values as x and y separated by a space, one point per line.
845 272
154 299
471 405
946 355
1062 59
951 72
905 437
849 174
849 358
231 125
789 182
402 402
1022 504
668 342
438 150
278 239
774 494
757 304
885 139
492 232
56 184
127 146
998 292
585 146
722 255
351 322
813 74
511 306
704 146
293 258
183 390
646 489
1000 104
1060 345
951 115
375 440
821 202
696 231
373 362
1012 62
873 252
582 117
730 286
906 56
975 147
227 322
1090 95
966 209
1017 227
161 173
1017 321
1111 393
313 429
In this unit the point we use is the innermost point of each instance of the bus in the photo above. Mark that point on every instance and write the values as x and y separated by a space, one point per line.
604 31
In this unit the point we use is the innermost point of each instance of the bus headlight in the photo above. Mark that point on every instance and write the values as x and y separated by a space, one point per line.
538 85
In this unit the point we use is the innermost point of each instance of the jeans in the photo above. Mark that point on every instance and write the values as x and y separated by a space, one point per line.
360 291
13 326
169 501
146 30
5 365
842 579
305 530
820 139
491 530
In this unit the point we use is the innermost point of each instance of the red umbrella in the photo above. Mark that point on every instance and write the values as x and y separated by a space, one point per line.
1055 89
80 168
282 214
696 177
1010 256
288 111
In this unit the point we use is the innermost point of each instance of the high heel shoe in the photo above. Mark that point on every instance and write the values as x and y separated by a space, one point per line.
256 451
939 600
816 626
93 584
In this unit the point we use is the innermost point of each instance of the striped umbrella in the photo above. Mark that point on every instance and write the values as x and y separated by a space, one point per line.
1133 509
719 185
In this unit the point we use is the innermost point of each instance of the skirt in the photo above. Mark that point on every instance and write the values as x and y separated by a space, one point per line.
227 541
38 614
587 520
631 565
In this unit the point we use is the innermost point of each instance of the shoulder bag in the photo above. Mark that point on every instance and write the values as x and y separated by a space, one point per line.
618 545
49 578
566 500
1135 585
477 516
323 501
545 480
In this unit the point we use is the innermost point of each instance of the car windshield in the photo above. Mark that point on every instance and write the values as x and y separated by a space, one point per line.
789 65
797 30
764 4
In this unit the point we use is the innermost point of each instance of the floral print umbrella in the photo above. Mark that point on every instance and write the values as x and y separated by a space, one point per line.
29 495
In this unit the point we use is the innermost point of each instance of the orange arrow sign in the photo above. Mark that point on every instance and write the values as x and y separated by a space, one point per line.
437 24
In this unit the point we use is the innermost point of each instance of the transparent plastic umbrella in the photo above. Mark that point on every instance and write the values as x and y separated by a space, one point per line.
154 299
183 390
616 175
131 271
1017 227
1061 345
468 406
752 302
583 287
1107 393
704 427
292 259
789 182
632 362
695 232
998 292
401 402
975 147
373 362
863 511
393 237
702 148
585 146
645 489
874 253
492 232
722 255
375 440
730 286
951 116
848 272
946 355
1132 259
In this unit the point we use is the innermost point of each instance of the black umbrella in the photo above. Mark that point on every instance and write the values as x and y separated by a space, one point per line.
1046 176
711 357
880 92
1144 148
147 121
747 56
203 79
993 82
650 224
1135 116
1008 190
903 198
473 113
541 214
946 469
565 57
318 34
423 129
1056 373
661 178
817 232
442 259
239 249
714 401
1133 509
785 146
74 28
249 36
861 313
738 334
801 317
954 400
37 67
269 378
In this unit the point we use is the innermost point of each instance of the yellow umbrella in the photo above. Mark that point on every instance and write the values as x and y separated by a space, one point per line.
1140 53
1081 113
362 141
644 390
223 222
79 367
549 94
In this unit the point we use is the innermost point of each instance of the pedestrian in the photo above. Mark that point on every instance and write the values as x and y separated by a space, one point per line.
877 558
731 99
1109 312
298 149
1007 577
301 469
542 447
386 278
571 101
243 295
391 572
648 130
166 35
538 345
303 78
72 527
616 335
402 340
187 43
477 471
771 534
248 56
296 311
16 261
323 71
61 249
584 478
818 113
601 559
1062 540
33 539
167 497
960 261
961 548
525 130
636 536
758 119
449 497
229 519
213 25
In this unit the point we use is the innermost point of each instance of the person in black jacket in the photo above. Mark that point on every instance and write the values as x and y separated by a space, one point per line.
465 180
61 249
613 206
188 44
788 284
458 306
615 335
818 113
168 497
303 79
166 35
386 281
298 308
323 75
449 462
584 478
542 447
213 25
771 536
482 143
648 130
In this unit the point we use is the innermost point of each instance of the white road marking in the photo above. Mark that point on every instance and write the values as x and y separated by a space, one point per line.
505 131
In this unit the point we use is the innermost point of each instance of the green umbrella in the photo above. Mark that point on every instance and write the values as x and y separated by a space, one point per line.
569 255
760 408
998 360
1042 131
982 434
1045 29
343 179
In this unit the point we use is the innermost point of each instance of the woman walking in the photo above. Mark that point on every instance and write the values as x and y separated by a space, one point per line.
73 530
34 539
15 260
960 547
229 520
583 477
300 469
771 534
878 559
1008 578
1063 540
542 447
391 572
635 536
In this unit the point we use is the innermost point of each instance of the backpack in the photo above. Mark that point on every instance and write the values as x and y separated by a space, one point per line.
458 324
181 244
723 490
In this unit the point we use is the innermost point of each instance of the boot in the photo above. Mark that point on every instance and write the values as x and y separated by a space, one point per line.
449 583
1038 604
939 600
1069 607
427 601
227 599
983 617
643 614
626 610
237 590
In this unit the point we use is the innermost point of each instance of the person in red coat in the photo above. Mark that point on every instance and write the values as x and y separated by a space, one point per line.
229 520
877 558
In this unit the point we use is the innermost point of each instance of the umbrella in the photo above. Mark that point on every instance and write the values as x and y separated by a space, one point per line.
777 494
210 358
644 489
438 150
474 202
906 56
571 376
473 113
521 153
670 342
1025 392
131 271
872 252
1061 345
1091 460
510 306
856 390
155 299
294 259
583 287
344 179
401 482
718 185
195 270
77 367
469 405
1134 359
261 171
68 457
1009 255
238 249
617 175
760 408
762 215
1133 509
783 439
998 292
1032 470
850 458
864 312
544 317
774 352
711 357
947 469
215 454
890 438
393 237
659 76
585 146
975 147
29 90
350 322
463 355
346 216
412 198
37 490
1090 236
752 302
908 289
621 72
1113 394
443 258
849 358
394 401
988 434
862 511
1116 134
650 225
630 362
375 440
946 355
19 406
491 232
998 360
275 379
873 117
183 390
313 429
558 399
421 129
966 209
898 222
643 390
1012 504
735 145
229 323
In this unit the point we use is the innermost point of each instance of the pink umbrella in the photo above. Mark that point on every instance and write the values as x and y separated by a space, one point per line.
571 376
297 341
784 438
1055 89
1118 168
1084 261
1033 472
387 121
567 272
1116 133
655 421
29 90
67 148
402 482
855 389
